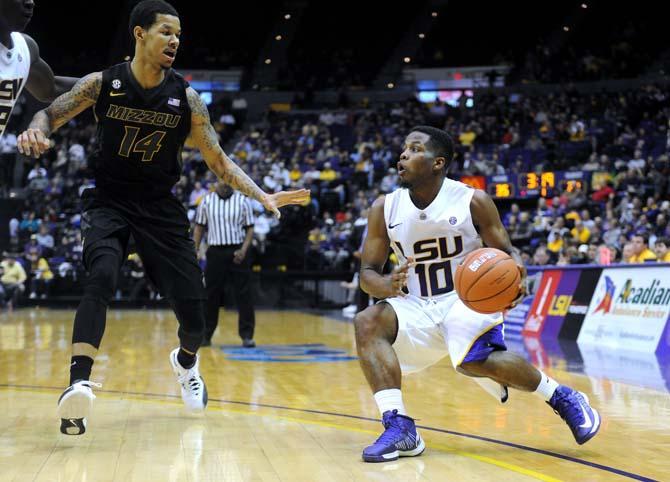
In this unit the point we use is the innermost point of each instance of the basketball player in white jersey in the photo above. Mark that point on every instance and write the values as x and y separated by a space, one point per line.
20 62
432 223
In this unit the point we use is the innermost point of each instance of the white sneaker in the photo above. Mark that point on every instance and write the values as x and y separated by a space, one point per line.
74 406
193 389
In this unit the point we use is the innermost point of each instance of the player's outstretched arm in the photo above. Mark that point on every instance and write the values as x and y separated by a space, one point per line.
375 254
42 83
486 218
35 140
204 137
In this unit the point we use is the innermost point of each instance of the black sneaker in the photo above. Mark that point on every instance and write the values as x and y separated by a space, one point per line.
248 343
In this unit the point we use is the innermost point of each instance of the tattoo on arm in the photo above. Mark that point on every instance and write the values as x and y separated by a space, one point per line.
83 95
205 137
238 179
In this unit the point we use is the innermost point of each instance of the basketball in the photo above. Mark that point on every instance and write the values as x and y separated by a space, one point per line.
488 280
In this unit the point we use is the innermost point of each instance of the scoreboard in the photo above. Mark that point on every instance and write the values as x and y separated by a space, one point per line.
533 184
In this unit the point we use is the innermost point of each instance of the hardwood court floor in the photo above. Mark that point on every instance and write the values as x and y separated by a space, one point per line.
305 418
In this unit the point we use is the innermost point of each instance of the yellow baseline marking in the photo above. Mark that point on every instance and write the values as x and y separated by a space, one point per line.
438 447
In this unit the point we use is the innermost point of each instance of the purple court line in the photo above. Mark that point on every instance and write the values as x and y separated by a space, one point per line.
594 465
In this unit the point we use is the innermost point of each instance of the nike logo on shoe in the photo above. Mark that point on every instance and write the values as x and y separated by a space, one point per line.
391 226
588 423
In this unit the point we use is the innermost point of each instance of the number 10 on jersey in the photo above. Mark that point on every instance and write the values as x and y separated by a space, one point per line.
435 278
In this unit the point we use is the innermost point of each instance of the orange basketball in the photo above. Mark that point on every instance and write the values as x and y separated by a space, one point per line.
487 281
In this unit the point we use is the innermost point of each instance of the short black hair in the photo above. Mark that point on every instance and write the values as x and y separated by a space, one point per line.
441 142
144 14
644 237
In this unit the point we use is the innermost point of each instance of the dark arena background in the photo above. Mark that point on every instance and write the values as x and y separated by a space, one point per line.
559 111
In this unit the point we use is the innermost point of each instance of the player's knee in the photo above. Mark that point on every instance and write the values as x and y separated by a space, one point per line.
103 271
369 324
477 368
101 285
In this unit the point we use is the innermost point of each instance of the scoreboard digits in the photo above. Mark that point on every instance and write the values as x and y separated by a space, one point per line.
532 184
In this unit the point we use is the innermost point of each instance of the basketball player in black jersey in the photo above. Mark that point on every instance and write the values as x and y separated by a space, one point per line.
145 112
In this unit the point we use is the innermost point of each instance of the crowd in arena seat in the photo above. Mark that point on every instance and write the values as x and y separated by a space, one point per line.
347 158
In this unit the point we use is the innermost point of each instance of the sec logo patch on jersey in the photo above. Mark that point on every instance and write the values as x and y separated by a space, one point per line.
116 84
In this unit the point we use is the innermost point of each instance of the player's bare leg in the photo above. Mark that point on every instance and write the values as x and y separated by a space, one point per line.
511 370
376 329
506 368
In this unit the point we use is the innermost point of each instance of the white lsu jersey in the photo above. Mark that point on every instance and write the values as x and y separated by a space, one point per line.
438 237
14 69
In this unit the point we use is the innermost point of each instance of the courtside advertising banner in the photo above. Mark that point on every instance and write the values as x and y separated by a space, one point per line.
629 309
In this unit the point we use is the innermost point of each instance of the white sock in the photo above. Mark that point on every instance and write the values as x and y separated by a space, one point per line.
547 386
390 399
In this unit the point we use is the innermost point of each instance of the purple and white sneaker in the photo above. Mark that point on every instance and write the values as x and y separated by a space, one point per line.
400 439
574 408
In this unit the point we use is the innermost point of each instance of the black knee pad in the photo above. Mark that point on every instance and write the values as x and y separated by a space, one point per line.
191 316
103 271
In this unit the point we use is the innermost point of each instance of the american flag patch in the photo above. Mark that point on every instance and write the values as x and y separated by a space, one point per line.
174 102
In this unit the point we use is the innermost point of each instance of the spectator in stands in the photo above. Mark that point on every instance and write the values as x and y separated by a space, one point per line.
467 136
45 240
541 257
29 224
389 181
32 251
197 194
586 220
363 169
662 250
37 170
627 253
513 212
641 251
580 232
612 233
42 278
13 279
139 286
295 174
39 181
524 229
328 174
576 198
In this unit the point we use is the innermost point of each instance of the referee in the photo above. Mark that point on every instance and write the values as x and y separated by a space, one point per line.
229 221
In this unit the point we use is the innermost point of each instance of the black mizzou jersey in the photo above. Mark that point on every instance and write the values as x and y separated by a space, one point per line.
140 134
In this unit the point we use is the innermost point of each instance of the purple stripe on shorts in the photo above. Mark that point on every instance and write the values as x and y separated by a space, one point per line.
492 340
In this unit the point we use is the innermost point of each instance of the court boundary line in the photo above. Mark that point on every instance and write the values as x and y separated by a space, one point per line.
527 448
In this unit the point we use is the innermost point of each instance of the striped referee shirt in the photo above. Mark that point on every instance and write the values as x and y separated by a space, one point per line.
226 219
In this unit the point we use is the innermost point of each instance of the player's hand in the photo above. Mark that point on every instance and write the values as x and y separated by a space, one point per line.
273 202
400 276
523 287
33 143
239 255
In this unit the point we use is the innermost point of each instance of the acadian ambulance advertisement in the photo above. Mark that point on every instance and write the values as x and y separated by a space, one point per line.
629 309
